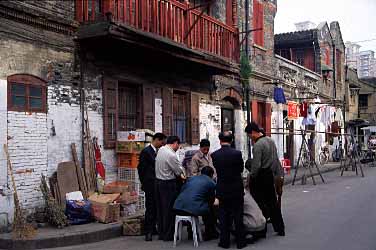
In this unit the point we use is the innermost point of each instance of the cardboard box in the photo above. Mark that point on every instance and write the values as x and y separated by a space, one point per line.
128 198
104 207
130 136
116 187
106 213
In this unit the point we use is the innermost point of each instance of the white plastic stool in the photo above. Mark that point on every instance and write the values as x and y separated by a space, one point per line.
195 228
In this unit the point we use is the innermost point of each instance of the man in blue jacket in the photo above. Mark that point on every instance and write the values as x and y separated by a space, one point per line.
197 197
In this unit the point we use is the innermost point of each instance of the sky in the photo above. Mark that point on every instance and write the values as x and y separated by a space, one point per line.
357 18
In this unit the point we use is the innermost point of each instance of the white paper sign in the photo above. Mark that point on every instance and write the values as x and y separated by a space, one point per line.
158 115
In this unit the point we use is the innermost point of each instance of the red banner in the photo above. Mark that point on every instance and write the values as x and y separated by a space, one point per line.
292 110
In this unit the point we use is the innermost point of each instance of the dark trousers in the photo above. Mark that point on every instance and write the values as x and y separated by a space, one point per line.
210 221
231 210
150 207
263 191
166 193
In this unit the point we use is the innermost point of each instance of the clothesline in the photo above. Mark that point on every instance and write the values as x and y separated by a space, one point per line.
304 132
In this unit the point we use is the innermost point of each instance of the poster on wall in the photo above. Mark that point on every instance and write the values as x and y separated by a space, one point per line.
158 115
292 110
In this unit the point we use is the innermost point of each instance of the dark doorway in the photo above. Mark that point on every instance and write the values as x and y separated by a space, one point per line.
228 122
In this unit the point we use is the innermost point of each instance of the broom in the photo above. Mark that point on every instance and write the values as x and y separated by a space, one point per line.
21 229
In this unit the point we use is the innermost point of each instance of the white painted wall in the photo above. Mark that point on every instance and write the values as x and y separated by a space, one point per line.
277 127
27 142
6 198
240 135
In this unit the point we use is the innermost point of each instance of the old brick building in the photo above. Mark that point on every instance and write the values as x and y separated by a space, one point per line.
305 64
165 66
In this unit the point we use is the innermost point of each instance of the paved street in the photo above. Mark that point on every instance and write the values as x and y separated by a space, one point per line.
338 215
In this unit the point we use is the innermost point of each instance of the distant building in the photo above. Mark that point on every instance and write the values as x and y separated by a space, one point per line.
306 25
352 54
367 64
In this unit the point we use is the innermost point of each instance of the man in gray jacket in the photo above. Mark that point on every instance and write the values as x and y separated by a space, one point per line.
167 169
262 187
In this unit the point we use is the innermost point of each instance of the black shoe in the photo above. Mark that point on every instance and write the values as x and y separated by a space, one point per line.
148 237
225 246
241 246
281 233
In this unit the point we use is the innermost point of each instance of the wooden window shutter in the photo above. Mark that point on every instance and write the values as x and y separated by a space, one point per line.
167 97
309 59
148 107
254 109
110 115
268 117
255 20
195 119
258 22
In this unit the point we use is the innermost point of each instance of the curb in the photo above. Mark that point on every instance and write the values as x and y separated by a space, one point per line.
110 232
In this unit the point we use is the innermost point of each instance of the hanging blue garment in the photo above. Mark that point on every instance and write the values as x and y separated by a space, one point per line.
279 95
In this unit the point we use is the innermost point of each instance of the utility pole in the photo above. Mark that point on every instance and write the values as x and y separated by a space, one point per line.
247 55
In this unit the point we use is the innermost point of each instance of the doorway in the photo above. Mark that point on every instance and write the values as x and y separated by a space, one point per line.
228 122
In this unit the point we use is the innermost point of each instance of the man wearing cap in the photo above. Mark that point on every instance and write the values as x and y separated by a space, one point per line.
261 167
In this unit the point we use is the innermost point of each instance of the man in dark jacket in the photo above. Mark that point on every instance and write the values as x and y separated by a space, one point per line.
146 173
228 163
197 198
261 167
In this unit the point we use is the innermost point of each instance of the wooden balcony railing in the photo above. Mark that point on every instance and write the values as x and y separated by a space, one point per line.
167 18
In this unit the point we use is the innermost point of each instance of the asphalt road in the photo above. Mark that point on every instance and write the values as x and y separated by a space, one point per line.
337 215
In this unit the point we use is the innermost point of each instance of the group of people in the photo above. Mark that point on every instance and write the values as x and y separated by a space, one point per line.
212 186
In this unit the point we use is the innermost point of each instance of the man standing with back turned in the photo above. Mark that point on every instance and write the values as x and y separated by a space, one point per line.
167 169
146 173
228 163
262 179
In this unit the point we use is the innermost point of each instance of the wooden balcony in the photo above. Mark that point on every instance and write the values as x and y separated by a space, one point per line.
170 19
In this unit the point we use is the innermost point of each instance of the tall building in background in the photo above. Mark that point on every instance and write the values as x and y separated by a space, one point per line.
366 66
352 54
363 61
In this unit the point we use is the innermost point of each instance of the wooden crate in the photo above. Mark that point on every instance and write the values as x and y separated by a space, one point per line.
129 147
133 226
128 160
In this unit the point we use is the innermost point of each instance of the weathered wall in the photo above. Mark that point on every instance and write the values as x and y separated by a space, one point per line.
56 9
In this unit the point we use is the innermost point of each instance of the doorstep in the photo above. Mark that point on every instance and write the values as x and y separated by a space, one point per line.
73 235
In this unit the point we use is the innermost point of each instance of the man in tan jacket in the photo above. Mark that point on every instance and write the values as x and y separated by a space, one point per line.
202 158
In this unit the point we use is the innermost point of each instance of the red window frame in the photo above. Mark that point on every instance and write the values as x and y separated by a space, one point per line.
28 82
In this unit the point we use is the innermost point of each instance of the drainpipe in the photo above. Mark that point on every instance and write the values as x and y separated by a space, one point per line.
247 54
82 106
334 71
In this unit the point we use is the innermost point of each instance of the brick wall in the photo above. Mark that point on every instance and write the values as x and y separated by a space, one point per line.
27 142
